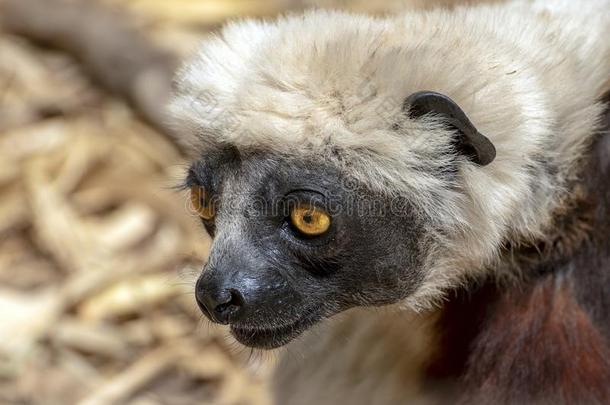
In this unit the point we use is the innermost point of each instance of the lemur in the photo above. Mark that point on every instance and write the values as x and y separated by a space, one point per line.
415 207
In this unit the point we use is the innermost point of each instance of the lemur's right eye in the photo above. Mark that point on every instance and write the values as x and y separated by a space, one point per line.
310 221
202 203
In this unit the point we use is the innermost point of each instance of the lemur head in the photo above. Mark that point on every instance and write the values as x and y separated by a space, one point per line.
330 179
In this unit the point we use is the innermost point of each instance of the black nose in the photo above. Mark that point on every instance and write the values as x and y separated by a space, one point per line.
221 305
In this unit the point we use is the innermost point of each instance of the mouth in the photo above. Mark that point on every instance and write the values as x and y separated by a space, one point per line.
271 338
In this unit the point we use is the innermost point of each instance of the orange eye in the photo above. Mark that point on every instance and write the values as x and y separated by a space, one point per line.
310 221
202 204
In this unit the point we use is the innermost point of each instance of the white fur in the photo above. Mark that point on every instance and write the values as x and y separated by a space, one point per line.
527 73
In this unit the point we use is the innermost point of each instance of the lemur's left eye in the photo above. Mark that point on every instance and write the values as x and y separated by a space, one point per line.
202 203
309 220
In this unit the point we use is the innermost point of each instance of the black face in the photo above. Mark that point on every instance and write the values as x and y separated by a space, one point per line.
296 242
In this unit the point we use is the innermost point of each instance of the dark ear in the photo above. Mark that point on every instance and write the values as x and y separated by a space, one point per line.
470 142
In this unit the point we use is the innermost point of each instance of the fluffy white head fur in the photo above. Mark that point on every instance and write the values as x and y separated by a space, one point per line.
331 85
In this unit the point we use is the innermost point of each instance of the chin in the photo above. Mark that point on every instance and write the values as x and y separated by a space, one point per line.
268 338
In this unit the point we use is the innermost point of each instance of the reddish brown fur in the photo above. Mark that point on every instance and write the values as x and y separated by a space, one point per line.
539 346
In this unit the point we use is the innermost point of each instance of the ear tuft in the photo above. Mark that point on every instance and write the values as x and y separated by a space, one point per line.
471 143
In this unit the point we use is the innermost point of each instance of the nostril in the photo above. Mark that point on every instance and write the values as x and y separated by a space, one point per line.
229 306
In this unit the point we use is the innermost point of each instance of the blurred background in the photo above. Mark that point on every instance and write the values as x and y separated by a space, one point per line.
98 251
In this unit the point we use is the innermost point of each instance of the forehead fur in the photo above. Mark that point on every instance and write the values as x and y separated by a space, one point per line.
331 85
321 79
